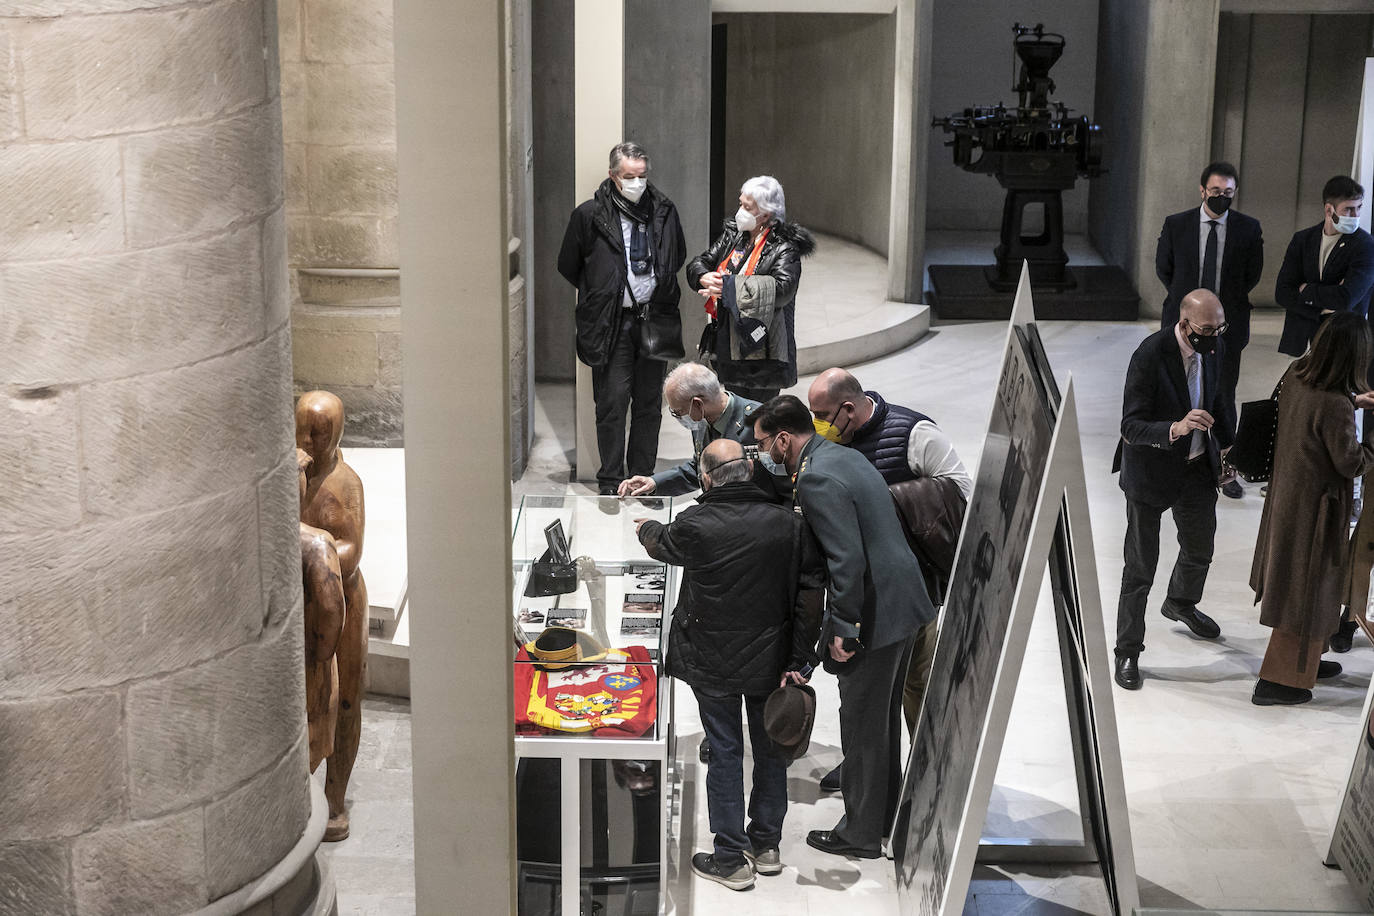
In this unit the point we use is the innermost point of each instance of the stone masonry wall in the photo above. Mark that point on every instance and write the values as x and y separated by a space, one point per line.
151 709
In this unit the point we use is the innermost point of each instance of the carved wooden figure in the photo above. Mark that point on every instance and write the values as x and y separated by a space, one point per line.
325 611
333 502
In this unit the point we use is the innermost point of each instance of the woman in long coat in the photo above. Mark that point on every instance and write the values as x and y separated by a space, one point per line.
1302 552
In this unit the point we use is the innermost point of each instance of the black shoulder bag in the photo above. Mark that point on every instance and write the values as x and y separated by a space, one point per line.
1252 454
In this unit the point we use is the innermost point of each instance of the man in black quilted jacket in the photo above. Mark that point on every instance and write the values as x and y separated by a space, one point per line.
746 621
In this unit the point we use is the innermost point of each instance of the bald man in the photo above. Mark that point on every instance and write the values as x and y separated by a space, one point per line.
1177 422
333 503
746 622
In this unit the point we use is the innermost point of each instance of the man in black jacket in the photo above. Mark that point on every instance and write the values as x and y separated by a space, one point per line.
622 250
1177 422
746 619
1327 268
1216 248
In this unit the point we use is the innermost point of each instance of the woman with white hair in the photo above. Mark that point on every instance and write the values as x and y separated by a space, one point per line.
749 280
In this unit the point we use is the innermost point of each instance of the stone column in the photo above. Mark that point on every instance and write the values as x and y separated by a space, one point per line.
152 742
339 112
906 235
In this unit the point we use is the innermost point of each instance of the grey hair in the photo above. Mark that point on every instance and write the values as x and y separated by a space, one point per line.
628 150
731 470
693 380
767 194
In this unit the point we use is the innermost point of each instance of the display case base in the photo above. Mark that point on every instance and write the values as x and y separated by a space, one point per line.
1102 293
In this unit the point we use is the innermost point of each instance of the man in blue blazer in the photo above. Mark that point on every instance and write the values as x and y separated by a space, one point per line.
1328 267
876 602
1220 249
1177 422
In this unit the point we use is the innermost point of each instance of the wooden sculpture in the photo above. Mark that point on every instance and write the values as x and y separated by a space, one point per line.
332 502
325 611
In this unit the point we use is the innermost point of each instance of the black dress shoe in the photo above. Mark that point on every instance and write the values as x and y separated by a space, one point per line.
1342 638
1233 490
704 751
1202 626
607 489
1128 671
1268 693
1327 669
826 841
830 782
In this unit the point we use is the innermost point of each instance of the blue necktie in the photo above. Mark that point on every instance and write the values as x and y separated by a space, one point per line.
1209 258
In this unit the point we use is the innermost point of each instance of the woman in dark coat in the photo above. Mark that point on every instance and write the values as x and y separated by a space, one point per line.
1301 555
749 280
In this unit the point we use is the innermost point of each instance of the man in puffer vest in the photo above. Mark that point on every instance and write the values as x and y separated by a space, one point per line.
928 483
746 620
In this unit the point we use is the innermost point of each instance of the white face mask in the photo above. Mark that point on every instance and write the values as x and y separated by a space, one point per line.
632 189
745 220
1345 224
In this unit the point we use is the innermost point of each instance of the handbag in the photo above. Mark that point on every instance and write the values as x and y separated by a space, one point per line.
658 333
1252 454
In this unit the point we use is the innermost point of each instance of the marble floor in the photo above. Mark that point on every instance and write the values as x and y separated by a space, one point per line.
1231 804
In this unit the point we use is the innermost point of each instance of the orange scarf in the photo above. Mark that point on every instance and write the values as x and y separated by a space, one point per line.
749 266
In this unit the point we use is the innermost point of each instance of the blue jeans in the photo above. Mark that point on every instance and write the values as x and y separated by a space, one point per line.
720 717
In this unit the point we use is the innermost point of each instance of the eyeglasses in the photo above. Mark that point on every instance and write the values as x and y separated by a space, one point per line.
1209 331
766 443
1229 192
679 414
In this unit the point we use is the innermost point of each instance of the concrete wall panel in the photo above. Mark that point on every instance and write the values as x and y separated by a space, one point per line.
220 166
188 64
88 612
551 28
148 867
69 200
202 731
163 307
350 103
232 413
63 767
809 101
353 179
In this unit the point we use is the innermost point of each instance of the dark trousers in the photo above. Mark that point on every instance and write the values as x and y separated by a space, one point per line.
720 717
762 395
1195 517
627 382
871 739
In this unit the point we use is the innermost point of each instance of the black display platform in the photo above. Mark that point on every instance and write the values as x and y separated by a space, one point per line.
1102 294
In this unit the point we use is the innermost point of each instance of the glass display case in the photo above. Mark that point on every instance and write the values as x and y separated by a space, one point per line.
595 781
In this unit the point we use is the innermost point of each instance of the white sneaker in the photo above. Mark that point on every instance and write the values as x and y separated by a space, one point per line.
765 861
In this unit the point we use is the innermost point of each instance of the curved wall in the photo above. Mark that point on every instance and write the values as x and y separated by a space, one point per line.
151 700
809 101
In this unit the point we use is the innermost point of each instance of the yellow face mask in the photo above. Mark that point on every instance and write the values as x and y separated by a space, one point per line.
826 429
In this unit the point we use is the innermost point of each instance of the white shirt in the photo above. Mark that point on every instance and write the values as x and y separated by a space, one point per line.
642 287
1203 230
929 453
1328 245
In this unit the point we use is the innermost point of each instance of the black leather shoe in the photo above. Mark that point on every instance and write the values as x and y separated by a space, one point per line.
1342 639
704 751
1267 693
826 841
830 782
1233 490
1128 671
1327 669
1202 626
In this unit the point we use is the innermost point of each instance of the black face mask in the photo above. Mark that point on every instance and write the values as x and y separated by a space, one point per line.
1202 343
1219 204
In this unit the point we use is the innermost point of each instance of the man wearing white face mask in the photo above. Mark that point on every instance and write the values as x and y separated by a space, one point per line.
709 412
748 279
1328 267
622 250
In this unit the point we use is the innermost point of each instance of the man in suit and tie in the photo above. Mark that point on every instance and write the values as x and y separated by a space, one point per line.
1327 268
1215 248
876 603
1177 422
